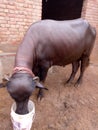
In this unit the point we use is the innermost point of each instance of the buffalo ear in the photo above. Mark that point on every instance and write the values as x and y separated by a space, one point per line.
4 81
38 84
36 79
6 77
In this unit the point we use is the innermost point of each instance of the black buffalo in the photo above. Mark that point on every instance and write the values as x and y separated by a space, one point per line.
45 44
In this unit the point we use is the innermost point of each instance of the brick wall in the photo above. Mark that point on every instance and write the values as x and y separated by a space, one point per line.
37 9
15 17
84 8
90 12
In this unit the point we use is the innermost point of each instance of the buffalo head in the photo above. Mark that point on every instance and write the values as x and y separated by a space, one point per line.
20 87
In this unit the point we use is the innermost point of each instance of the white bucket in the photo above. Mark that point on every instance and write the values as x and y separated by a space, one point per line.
23 122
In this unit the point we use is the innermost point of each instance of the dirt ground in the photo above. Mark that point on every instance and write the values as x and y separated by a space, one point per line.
64 107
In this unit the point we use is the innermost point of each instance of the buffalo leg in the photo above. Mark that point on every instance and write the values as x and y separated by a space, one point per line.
75 66
84 64
42 75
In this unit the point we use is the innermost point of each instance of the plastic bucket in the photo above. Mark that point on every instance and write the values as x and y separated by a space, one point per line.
23 122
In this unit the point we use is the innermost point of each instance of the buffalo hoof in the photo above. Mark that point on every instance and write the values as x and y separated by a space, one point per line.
40 95
68 83
78 83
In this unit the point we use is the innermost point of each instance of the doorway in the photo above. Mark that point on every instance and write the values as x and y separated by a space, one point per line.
61 9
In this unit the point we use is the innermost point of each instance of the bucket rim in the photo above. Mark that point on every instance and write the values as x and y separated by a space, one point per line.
32 111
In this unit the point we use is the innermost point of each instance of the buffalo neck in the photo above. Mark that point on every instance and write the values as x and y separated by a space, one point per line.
25 53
